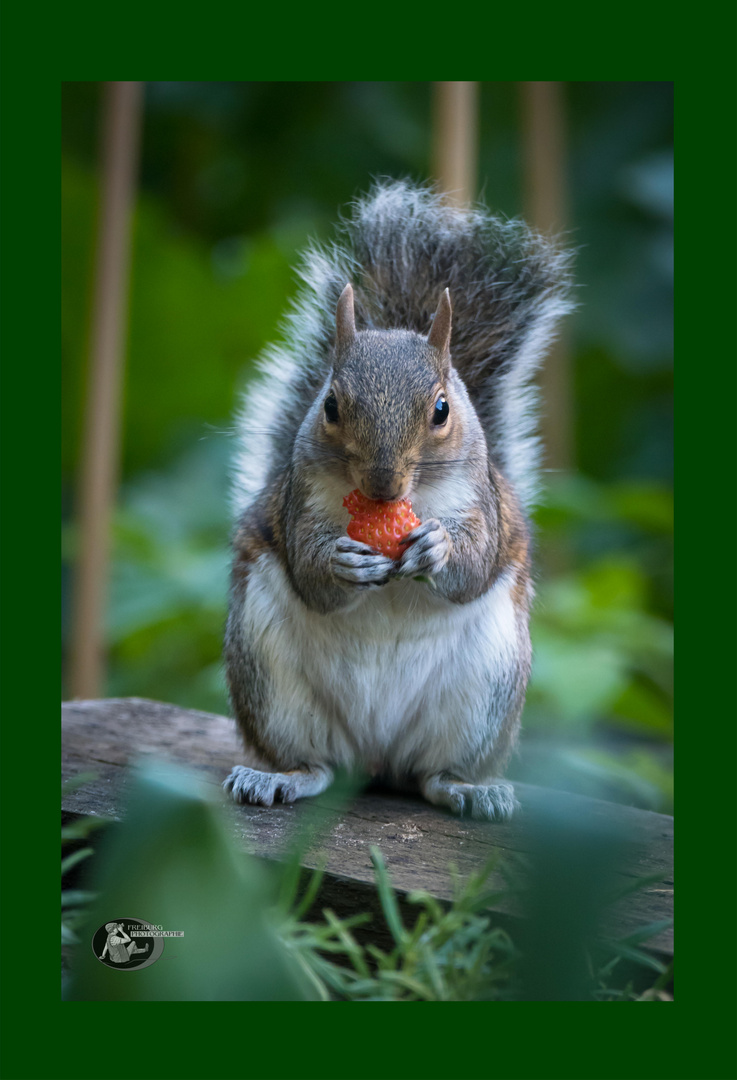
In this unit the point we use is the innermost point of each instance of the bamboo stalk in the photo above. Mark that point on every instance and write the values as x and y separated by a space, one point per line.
101 439
545 191
455 140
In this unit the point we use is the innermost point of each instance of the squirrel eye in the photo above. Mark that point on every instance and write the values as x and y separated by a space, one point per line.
331 408
440 413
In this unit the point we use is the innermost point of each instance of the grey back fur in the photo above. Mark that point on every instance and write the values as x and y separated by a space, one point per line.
399 249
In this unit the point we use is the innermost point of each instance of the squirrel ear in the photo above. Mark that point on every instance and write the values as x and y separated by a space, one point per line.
345 320
439 336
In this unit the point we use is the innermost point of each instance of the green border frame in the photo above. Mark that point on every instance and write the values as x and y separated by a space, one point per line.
45 1038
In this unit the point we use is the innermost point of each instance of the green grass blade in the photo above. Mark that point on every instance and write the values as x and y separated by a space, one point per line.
74 858
388 897
646 932
310 893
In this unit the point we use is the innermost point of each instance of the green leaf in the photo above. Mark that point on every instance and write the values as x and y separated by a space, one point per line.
68 937
634 886
425 580
74 858
74 782
409 983
351 946
76 896
645 932
81 829
628 952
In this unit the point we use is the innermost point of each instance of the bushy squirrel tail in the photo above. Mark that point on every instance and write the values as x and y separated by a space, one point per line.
399 248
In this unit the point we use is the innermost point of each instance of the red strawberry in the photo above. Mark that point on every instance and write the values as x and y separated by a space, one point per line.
381 525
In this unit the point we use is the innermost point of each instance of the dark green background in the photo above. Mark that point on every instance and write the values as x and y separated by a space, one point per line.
696 1040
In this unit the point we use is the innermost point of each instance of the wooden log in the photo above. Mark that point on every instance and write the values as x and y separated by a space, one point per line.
419 842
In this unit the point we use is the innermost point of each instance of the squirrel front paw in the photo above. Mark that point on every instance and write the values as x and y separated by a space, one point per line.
354 563
428 549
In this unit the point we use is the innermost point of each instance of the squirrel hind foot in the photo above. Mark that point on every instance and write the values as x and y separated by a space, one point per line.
485 802
259 788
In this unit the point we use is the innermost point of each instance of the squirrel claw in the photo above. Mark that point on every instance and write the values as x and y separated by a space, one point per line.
358 564
427 551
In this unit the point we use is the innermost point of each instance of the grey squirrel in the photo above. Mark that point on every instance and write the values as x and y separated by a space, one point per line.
406 373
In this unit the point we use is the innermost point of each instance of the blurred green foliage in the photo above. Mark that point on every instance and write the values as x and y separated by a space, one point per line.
172 858
235 177
251 932
598 717
195 317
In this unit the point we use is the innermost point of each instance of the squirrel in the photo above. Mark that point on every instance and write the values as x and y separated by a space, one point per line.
406 373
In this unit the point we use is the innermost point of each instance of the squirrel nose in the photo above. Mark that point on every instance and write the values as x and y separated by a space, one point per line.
385 485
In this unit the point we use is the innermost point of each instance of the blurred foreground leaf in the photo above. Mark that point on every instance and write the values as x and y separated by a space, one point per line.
172 863
572 878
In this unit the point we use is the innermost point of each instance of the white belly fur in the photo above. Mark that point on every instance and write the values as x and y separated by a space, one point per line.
402 682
